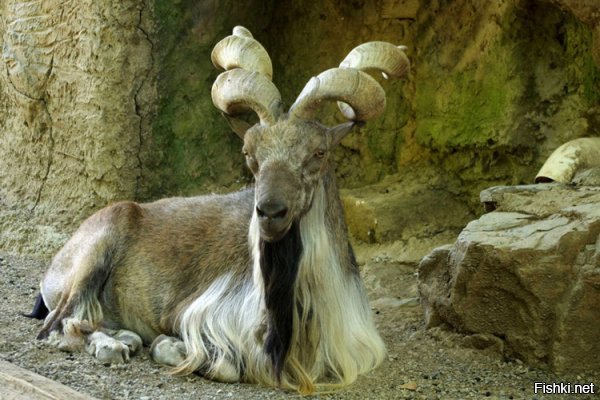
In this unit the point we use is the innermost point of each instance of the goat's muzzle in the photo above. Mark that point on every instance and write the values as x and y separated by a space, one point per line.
274 219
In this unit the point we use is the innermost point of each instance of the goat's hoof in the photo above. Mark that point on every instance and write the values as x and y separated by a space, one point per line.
107 349
224 371
130 339
168 350
67 343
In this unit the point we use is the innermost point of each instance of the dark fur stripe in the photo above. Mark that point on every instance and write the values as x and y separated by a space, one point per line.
352 258
40 311
279 266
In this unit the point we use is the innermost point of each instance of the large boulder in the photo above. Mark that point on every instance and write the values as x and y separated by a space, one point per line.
527 272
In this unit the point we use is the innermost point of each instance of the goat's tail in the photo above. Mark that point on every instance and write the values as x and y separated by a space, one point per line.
40 310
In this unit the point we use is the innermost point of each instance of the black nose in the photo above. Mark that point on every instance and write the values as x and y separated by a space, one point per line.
271 209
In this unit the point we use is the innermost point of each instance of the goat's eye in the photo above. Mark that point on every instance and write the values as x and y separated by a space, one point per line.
320 153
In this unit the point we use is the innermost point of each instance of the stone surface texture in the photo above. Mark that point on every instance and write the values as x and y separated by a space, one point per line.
527 273
74 103
110 100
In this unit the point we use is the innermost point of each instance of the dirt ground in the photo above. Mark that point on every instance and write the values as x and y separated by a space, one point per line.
422 364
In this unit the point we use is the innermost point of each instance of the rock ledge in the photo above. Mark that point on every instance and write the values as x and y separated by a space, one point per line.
527 272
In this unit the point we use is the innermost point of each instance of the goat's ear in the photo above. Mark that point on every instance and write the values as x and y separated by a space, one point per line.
239 126
338 132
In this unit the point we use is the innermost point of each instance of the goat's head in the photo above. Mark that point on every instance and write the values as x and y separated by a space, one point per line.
288 152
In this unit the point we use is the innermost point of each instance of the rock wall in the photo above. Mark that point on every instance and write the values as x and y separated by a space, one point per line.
494 88
110 100
501 84
74 89
193 150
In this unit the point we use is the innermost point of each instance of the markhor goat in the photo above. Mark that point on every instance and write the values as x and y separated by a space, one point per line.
257 286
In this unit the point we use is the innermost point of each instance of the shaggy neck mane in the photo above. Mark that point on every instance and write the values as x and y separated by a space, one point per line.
279 268
310 286
301 319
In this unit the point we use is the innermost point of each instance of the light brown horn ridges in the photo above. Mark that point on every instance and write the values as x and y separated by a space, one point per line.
238 90
241 50
364 97
383 57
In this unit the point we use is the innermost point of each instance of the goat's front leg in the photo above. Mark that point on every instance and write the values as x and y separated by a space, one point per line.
113 349
168 350
171 351
106 349
108 346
